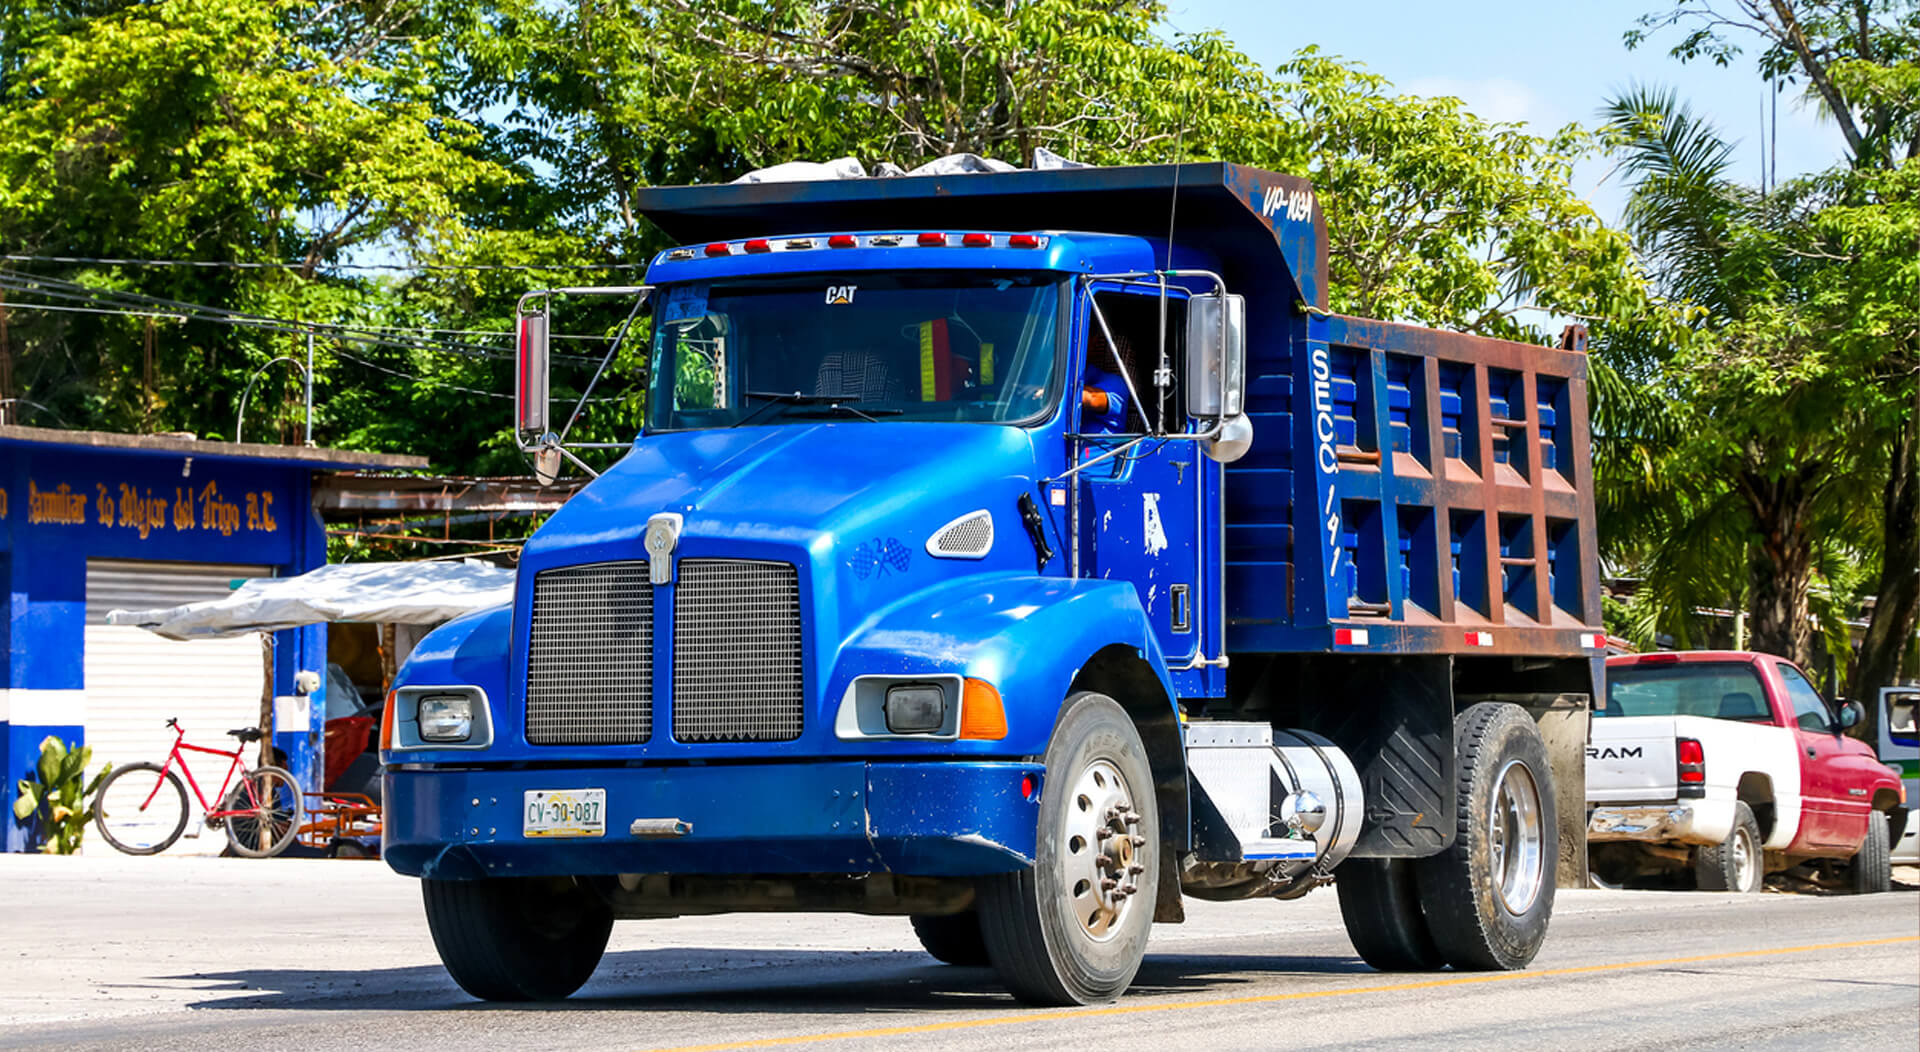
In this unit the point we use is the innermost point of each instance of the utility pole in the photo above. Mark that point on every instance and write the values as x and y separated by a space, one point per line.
6 367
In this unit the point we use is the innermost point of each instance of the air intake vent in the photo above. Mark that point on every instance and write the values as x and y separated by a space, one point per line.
590 656
968 537
736 652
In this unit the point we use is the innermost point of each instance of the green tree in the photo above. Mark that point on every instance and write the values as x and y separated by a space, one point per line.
1858 61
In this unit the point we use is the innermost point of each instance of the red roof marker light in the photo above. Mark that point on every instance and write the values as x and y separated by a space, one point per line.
931 240
842 241
759 244
977 240
718 248
1023 241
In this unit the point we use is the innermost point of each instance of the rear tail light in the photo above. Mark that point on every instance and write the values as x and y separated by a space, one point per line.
1692 760
933 240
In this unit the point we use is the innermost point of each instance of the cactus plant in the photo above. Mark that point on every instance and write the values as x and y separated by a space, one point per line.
59 795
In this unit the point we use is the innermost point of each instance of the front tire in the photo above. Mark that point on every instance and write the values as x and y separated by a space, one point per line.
1488 896
952 938
1871 871
1072 928
1735 864
517 939
141 809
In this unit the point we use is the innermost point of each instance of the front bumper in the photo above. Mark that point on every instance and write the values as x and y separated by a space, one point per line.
1686 822
919 819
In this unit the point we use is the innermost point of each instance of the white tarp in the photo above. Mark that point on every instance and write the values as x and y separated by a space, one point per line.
423 593
850 168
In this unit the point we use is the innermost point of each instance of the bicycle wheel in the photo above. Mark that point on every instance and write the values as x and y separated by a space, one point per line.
264 812
140 809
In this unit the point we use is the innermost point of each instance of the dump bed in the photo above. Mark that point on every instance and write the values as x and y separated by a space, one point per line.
1413 490
1408 489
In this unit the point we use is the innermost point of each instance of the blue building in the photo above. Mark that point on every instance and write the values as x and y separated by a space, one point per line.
91 522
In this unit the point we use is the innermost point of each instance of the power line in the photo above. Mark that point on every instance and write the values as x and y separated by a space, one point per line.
74 291
238 265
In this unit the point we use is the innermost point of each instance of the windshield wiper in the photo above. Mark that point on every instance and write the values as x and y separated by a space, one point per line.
830 404
843 409
775 399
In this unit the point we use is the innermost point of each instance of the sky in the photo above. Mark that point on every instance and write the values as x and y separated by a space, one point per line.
1546 63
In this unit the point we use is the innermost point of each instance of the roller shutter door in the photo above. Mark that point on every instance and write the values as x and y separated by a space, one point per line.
136 680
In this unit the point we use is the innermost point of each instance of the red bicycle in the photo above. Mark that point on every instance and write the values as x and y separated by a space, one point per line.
142 809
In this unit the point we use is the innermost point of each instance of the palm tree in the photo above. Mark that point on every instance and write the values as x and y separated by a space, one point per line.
1725 462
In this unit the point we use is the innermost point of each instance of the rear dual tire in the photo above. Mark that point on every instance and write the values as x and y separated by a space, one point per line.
1484 902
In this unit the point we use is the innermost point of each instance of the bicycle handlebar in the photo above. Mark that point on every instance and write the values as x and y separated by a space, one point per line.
174 722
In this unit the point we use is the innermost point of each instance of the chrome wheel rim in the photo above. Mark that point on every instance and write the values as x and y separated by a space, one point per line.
1743 861
1516 837
1103 853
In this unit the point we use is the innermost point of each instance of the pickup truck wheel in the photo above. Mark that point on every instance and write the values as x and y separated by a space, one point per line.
533 939
1072 928
1488 896
952 938
1871 871
1381 908
1736 863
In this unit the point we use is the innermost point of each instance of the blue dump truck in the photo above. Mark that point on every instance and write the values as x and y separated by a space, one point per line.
1020 553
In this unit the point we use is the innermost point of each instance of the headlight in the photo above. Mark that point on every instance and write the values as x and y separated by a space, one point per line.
446 718
916 708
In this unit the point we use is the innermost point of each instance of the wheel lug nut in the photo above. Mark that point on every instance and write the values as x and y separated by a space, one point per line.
1108 883
1138 840
1136 868
1133 818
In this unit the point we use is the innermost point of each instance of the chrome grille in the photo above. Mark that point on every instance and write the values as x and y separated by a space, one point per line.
590 656
736 651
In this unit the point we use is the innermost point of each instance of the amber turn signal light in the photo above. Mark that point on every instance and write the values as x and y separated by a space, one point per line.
981 714
386 724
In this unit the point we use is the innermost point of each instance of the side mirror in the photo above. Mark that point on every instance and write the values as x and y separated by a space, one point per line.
530 374
1851 714
1233 441
1216 355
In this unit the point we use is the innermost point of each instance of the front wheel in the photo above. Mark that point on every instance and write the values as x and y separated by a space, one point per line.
952 938
1872 869
263 812
1488 896
1072 928
517 939
1734 864
140 809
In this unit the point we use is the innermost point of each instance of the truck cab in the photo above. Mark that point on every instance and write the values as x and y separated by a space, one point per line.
994 559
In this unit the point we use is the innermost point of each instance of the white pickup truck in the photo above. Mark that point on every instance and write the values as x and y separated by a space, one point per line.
1731 765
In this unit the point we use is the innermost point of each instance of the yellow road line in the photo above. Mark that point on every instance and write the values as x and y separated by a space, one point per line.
1226 1002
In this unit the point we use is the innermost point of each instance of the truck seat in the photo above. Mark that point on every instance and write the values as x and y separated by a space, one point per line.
1741 705
858 376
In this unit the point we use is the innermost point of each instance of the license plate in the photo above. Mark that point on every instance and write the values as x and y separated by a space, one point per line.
565 812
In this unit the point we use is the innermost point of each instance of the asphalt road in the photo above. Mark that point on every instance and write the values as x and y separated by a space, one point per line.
205 953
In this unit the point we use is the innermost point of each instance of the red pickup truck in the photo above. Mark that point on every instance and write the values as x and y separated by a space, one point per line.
1731 765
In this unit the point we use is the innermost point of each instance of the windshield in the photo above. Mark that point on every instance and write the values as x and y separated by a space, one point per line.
1729 691
928 345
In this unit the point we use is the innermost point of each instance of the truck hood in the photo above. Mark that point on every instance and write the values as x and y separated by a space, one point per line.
792 485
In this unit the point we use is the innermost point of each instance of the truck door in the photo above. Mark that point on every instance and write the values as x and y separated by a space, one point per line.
1834 803
1140 508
